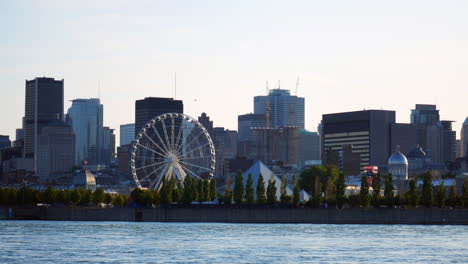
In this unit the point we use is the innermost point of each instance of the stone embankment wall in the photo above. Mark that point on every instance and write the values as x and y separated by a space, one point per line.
433 216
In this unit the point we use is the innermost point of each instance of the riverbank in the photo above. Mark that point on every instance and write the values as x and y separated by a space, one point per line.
425 216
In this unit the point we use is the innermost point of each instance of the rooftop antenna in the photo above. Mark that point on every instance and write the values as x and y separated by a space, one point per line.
175 85
279 84
99 89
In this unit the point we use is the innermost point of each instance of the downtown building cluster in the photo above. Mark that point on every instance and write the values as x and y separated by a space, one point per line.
54 147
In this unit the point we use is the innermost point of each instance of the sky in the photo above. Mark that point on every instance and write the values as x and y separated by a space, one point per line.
348 55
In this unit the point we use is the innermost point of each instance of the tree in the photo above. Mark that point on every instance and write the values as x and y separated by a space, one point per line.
156 197
239 188
440 194
310 177
201 191
271 190
98 196
166 191
249 190
284 197
376 186
340 189
413 194
206 189
296 191
364 193
452 200
213 192
87 197
261 196
427 197
228 191
50 195
109 198
194 188
75 197
187 192
388 190
465 193
177 191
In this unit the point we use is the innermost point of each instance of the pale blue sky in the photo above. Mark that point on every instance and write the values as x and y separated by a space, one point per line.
349 55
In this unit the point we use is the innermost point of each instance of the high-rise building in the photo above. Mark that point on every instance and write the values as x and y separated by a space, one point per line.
124 155
464 139
207 123
308 147
150 107
19 134
275 145
280 108
225 143
403 136
440 143
449 137
244 125
108 146
44 103
86 117
55 153
422 116
5 142
368 132
127 134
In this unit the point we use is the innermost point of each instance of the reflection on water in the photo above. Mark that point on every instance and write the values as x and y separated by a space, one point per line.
121 242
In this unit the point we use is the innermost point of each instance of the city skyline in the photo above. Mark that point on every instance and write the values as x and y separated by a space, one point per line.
223 54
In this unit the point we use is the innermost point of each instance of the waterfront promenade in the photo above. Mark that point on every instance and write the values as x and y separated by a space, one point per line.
222 214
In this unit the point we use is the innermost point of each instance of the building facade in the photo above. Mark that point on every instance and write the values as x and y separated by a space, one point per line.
225 143
464 139
43 104
275 145
244 125
206 122
150 107
280 108
127 134
86 117
55 153
367 131
108 146
308 147
5 142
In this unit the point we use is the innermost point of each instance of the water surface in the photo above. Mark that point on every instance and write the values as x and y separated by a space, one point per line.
124 242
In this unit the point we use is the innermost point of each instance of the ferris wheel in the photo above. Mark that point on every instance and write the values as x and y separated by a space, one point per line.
171 146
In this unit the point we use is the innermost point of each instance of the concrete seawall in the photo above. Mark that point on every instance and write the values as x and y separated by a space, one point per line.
432 216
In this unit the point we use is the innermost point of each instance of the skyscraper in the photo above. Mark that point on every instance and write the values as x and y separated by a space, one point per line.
464 139
150 107
225 142
86 116
308 147
280 108
127 134
44 103
55 153
368 132
244 125
422 116
108 146
207 123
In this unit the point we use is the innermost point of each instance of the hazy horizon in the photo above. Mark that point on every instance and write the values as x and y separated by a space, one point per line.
348 55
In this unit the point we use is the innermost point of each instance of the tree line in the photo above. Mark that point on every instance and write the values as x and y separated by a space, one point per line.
67 197
325 184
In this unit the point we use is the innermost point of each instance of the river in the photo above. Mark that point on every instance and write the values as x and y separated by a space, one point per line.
129 242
